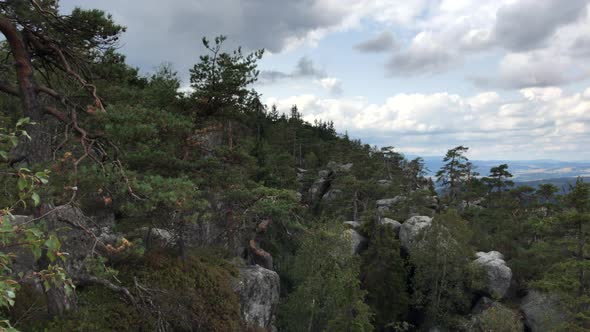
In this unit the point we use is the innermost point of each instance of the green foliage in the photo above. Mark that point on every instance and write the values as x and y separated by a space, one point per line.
327 293
384 278
497 318
220 79
440 256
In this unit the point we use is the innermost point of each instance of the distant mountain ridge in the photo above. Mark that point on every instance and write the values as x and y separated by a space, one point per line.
524 170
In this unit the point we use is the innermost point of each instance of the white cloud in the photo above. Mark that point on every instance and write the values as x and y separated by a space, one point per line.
543 122
332 85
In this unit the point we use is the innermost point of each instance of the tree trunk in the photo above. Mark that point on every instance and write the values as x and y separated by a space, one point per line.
38 148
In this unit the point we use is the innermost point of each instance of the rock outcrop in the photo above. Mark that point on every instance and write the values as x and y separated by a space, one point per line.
396 225
358 243
258 290
541 311
411 228
498 274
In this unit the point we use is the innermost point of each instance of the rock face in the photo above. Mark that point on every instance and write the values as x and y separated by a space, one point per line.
358 242
497 272
541 311
396 225
258 290
321 185
410 228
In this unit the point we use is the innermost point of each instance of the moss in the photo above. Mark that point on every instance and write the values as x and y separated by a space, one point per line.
195 295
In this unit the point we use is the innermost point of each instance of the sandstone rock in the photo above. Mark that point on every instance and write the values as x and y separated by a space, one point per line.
358 242
396 225
258 291
331 195
498 274
334 166
541 311
412 227
384 183
390 202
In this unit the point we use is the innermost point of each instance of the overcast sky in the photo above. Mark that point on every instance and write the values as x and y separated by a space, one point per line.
510 79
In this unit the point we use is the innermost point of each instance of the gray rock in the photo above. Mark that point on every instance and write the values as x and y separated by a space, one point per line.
258 290
390 202
384 183
412 227
541 311
159 238
358 243
340 167
498 274
396 225
331 195
352 224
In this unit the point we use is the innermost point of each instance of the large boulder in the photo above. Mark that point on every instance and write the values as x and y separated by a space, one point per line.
396 225
258 290
498 275
358 243
411 228
541 311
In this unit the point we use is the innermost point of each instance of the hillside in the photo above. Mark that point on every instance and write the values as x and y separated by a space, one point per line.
130 205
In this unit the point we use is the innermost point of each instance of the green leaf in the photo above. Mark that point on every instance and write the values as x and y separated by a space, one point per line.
36 199
23 121
22 184
3 154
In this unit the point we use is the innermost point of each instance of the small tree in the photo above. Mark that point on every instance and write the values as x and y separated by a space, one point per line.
453 174
327 295
221 79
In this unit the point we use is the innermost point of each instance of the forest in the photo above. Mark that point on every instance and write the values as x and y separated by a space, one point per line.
128 205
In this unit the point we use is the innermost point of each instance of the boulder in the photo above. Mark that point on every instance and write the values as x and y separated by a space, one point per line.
358 243
498 274
343 168
384 183
331 195
159 238
390 202
258 291
396 225
412 227
541 311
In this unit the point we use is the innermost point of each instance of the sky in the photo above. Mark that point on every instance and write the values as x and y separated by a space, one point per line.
510 79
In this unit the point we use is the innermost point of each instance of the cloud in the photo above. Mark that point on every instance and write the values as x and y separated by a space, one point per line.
526 25
332 85
542 122
535 69
381 43
424 56
581 47
305 68
172 31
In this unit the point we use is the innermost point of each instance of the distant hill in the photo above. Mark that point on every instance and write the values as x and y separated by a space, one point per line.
561 183
525 170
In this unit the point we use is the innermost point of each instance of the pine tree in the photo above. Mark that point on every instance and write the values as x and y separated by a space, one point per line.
453 174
